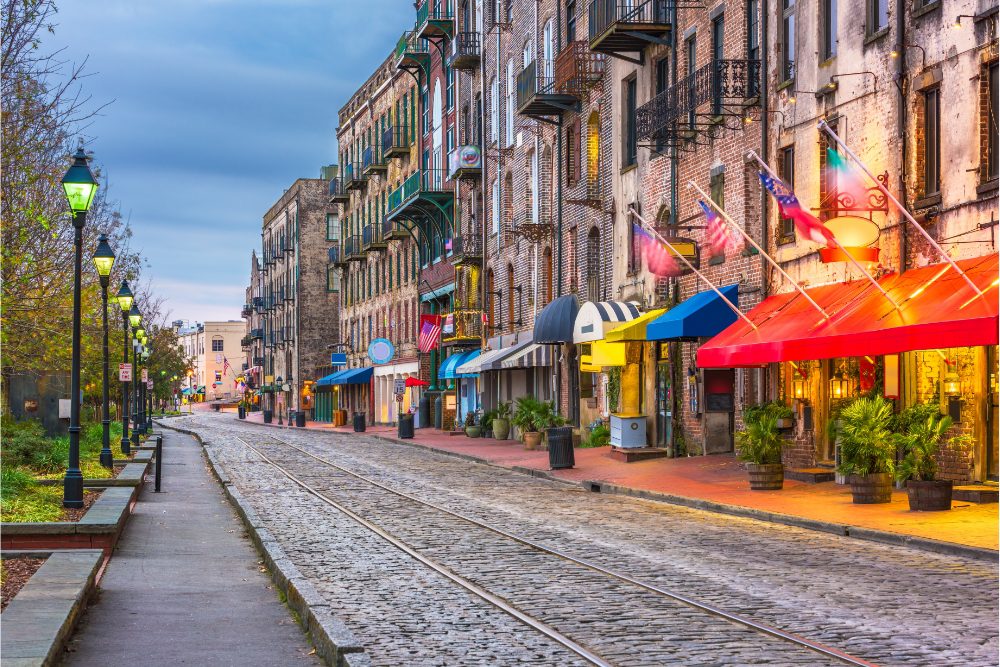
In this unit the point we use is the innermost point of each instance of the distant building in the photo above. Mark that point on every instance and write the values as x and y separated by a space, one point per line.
210 345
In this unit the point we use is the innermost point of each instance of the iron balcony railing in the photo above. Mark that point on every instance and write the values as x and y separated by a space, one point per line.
246 341
335 255
435 19
464 51
467 248
388 228
337 191
465 160
372 160
410 49
371 237
258 361
577 68
421 181
352 248
247 310
258 304
354 176
256 333
530 83
464 324
396 141
604 14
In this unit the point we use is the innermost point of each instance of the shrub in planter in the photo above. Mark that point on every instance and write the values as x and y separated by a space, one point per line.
527 419
867 449
472 429
598 435
501 421
760 446
782 413
918 469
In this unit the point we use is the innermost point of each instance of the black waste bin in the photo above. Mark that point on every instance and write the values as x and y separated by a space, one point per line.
425 411
406 426
242 412
268 416
560 447
300 419
359 422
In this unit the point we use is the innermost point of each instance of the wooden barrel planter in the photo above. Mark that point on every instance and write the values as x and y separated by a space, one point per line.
932 496
871 489
766 476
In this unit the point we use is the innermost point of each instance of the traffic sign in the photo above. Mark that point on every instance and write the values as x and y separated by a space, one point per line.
145 374
399 384
124 372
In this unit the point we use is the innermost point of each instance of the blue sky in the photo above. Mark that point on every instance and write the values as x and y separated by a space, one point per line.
216 107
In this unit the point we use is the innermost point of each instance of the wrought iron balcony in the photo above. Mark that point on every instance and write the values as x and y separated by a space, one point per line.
258 304
256 334
396 142
247 310
537 94
412 53
372 161
338 193
392 229
335 255
371 238
717 89
465 161
435 20
258 361
467 249
464 51
354 176
423 188
465 325
578 69
246 341
352 249
629 26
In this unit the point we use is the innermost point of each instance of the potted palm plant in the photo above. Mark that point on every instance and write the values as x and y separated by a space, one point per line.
918 469
526 419
486 423
760 446
867 449
501 421
472 429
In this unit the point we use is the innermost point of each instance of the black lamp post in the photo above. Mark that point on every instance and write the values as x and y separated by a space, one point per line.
79 185
125 299
136 334
278 384
148 404
104 259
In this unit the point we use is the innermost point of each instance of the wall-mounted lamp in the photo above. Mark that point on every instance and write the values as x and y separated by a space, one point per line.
861 73
839 384
897 51
958 20
799 387
824 90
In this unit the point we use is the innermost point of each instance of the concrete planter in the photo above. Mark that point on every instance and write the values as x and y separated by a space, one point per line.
501 428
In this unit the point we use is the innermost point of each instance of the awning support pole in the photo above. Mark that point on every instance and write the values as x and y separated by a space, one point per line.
842 249
906 214
746 236
732 306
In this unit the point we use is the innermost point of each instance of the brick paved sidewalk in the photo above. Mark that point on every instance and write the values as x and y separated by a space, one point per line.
720 479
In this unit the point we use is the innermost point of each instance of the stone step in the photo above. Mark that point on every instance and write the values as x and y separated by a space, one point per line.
631 455
810 475
976 493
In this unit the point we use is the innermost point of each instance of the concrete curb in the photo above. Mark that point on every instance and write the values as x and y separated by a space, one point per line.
42 616
843 530
333 640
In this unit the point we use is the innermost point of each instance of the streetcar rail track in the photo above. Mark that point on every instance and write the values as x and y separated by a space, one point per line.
739 619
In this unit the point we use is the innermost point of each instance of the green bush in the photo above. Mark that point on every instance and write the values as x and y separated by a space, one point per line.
866 443
598 436
759 441
14 481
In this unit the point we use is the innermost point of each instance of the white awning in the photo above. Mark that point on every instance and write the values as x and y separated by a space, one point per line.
533 356
596 319
490 361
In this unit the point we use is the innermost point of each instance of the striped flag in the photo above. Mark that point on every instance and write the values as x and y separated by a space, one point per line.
430 330
806 224
659 258
225 366
718 238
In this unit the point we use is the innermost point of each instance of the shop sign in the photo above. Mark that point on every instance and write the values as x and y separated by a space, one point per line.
381 351
124 372
338 359
145 374
449 324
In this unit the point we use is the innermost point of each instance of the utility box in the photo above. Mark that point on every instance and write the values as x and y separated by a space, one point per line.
628 431
40 396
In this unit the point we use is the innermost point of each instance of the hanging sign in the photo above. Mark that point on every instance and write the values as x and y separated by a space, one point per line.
124 372
149 384
145 374
338 359
381 351
449 324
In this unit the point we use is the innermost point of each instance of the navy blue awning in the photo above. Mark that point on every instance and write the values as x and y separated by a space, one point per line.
704 314
348 376
555 323
327 380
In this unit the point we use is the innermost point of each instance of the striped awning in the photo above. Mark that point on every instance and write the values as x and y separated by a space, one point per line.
490 361
597 318
532 356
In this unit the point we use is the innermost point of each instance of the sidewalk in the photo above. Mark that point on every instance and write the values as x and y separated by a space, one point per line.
183 586
713 481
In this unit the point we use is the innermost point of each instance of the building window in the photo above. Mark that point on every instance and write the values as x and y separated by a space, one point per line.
332 227
495 213
932 141
594 265
634 249
217 345
573 153
510 297
629 149
718 39
753 43
449 76
494 110
992 108
426 110
878 16
332 279
692 93
787 172
717 193
571 21
511 102
788 40
593 155
829 28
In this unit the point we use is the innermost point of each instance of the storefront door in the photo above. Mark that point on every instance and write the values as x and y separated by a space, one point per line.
664 420
718 416
992 420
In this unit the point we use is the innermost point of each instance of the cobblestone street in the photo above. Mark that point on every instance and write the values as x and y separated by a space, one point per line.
887 605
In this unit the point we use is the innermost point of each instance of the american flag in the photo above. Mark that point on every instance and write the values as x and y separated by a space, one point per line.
660 259
430 330
225 366
718 237
806 224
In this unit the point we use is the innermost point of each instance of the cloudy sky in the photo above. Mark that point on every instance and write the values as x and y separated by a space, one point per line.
217 106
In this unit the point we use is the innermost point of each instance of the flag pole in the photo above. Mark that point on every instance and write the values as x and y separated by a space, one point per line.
842 249
746 236
732 306
906 214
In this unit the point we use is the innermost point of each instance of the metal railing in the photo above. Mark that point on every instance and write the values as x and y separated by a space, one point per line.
466 247
334 255
465 324
371 159
464 50
603 14
371 235
256 333
530 83
434 10
353 175
395 139
352 247
577 68
410 45
336 189
423 180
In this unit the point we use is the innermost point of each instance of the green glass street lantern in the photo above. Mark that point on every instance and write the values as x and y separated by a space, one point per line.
104 257
137 334
134 316
79 183
125 297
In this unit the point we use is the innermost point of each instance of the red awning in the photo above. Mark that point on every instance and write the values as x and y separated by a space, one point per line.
938 309
416 382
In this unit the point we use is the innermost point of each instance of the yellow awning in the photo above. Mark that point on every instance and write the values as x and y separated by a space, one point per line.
602 354
634 330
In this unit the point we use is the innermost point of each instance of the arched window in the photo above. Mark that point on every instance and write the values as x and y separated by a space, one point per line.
530 201
547 276
490 296
511 102
510 297
593 154
508 200
594 265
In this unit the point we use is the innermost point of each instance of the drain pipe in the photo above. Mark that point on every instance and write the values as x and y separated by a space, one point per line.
765 118
901 121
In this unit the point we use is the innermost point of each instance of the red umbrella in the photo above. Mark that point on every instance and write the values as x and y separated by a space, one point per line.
416 382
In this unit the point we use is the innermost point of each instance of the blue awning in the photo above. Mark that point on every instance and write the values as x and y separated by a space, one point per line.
555 323
449 369
702 315
348 376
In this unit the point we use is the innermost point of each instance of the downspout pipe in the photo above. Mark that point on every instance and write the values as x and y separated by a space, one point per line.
765 117
901 89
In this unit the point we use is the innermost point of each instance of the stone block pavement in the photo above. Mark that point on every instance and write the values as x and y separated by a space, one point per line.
718 482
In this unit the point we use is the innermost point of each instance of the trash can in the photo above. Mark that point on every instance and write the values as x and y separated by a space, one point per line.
359 422
300 419
425 410
406 426
560 447
215 406
268 416
242 412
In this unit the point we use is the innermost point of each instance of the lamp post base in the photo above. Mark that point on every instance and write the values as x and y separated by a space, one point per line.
126 447
73 489
107 459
